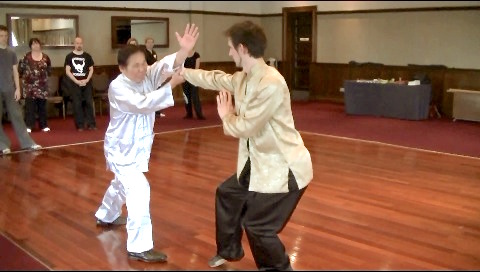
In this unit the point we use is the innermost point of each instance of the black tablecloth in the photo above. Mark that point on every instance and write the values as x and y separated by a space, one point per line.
387 100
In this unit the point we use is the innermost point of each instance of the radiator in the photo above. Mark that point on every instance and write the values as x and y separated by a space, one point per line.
466 104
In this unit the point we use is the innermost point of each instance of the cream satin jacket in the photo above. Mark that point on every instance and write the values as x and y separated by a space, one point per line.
264 119
129 136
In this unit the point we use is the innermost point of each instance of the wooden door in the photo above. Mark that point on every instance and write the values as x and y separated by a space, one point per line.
299 45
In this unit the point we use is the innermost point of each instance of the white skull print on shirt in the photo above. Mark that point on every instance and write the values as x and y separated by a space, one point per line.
79 65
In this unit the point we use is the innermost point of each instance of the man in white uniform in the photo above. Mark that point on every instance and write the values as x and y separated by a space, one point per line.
134 96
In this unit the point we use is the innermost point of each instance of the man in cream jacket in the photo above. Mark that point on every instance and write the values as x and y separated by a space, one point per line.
274 166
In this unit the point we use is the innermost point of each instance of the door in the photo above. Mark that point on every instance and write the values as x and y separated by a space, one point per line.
299 45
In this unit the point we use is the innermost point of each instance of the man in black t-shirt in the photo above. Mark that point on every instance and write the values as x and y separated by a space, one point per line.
79 69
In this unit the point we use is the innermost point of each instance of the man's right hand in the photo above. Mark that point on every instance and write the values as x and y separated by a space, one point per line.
190 36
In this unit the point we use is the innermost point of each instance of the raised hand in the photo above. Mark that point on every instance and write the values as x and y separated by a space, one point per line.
224 104
189 38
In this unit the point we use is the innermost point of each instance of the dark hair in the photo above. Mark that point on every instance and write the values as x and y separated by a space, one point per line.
132 40
3 28
125 52
32 40
249 35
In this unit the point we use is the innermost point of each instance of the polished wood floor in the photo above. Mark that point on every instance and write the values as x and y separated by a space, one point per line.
370 206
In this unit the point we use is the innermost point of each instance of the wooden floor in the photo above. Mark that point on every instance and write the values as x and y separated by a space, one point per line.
370 206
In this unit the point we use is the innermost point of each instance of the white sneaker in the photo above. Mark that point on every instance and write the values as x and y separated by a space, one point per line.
29 130
216 261
47 129
35 147
5 151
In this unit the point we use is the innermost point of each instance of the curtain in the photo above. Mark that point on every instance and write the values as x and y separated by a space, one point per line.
22 31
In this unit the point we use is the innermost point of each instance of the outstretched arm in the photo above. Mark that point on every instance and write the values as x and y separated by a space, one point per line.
210 80
127 100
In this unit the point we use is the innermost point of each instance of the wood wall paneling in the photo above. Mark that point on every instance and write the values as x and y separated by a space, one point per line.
328 78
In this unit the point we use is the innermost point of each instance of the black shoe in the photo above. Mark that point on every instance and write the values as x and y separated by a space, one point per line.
149 256
119 221
201 118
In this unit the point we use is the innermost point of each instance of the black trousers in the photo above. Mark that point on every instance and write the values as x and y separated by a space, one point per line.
35 107
82 95
262 215
191 92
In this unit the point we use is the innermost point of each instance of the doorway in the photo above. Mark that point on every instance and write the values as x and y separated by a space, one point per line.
299 48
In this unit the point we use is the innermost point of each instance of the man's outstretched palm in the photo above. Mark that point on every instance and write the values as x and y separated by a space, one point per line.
189 38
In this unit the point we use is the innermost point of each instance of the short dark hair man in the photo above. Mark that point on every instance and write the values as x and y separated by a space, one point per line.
10 94
273 165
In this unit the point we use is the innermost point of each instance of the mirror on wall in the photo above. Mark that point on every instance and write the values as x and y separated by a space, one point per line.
52 30
140 28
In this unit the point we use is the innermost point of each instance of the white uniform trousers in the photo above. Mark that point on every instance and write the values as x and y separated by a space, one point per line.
132 188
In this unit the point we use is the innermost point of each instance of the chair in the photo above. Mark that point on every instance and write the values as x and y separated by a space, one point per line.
100 83
54 96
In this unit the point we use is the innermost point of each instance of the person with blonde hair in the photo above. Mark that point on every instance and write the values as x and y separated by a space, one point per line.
150 54
151 57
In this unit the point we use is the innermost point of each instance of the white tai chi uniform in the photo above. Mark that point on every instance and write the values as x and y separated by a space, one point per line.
128 143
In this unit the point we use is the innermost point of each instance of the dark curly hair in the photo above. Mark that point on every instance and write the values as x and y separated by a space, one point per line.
249 35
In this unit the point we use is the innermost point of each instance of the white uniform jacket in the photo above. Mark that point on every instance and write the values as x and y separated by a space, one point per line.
129 136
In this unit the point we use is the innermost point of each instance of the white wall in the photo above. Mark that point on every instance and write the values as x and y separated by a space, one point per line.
177 5
256 7
269 7
251 7
450 38
427 38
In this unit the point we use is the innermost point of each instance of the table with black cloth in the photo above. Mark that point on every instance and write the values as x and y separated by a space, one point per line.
411 102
